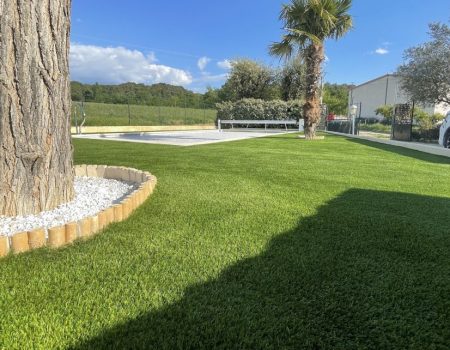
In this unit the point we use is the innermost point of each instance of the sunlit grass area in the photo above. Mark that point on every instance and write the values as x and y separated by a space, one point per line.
261 244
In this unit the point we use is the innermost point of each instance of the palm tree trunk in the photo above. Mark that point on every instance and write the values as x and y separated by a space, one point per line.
311 108
36 171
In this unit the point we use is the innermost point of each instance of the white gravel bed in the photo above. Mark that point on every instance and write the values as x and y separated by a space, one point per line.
92 195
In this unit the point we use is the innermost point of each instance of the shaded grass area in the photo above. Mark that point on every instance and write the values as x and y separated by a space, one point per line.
264 243
348 283
103 114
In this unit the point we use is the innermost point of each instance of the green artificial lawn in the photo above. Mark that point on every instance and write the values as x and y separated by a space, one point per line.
104 114
272 243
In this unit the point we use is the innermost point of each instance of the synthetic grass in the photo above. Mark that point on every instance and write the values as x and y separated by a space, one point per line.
103 114
265 243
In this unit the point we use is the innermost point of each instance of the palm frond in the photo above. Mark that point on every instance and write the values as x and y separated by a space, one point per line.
311 22
283 49
303 36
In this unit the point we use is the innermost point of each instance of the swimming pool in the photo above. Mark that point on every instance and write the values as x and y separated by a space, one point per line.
182 138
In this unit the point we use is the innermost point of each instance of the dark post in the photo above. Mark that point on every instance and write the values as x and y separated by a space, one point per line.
129 113
359 118
393 123
175 110
159 114
204 113
412 120
185 110
76 117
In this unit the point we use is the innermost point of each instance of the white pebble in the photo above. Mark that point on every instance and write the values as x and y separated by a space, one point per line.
92 195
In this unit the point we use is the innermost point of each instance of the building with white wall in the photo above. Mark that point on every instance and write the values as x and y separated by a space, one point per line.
385 90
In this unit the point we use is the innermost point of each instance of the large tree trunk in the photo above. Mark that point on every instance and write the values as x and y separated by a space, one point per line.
36 170
312 109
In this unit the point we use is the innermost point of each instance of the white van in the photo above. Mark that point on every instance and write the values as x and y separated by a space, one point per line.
444 132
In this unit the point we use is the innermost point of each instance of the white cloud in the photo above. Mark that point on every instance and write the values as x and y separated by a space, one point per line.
381 51
152 57
225 64
208 78
115 65
203 62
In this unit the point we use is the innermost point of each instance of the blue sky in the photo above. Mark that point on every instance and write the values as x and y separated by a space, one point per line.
190 43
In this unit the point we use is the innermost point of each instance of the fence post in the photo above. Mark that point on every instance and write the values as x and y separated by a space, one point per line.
159 115
129 113
392 122
185 110
359 118
204 114
76 118
175 109
412 120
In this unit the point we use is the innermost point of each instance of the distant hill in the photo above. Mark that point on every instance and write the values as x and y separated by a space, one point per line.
139 94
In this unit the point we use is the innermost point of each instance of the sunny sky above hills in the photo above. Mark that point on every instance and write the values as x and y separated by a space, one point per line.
191 43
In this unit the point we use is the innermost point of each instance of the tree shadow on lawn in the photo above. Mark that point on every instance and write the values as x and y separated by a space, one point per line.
369 270
426 157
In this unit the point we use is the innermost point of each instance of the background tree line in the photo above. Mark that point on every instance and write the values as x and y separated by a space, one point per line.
138 94
248 79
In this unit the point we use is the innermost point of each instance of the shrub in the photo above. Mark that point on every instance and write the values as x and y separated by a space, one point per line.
252 109
427 128
421 134
249 79
386 111
376 127
342 126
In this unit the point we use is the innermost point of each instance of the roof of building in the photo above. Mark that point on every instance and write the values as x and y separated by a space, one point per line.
373 80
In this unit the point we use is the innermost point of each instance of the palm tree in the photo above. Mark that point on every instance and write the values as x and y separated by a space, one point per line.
308 23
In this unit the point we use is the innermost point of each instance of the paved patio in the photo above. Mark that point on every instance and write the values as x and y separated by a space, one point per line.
430 148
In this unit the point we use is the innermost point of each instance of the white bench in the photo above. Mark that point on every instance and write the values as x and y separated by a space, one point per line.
262 122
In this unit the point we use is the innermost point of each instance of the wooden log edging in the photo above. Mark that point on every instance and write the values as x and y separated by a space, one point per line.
56 237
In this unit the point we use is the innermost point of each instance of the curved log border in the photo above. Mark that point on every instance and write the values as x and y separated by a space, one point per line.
57 237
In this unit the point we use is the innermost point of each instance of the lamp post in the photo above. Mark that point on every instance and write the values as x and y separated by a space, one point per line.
353 110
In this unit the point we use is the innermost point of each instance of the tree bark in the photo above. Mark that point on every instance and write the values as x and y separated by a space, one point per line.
312 109
36 170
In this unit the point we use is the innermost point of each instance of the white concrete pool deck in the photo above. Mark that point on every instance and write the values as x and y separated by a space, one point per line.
416 146
183 138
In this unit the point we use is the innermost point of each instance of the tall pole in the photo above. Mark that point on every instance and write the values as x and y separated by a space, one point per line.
353 123
350 102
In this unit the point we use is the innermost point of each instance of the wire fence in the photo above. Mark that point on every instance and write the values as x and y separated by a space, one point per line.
403 124
102 114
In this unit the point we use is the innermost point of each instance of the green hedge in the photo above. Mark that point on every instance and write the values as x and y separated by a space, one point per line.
342 126
376 127
426 135
251 109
